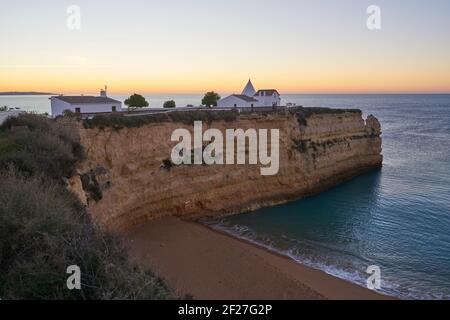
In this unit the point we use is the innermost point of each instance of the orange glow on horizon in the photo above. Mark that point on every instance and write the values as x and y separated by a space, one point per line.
303 78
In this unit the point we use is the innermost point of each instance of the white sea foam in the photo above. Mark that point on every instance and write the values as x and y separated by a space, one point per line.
294 250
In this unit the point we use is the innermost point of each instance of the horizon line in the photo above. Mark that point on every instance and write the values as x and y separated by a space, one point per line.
227 92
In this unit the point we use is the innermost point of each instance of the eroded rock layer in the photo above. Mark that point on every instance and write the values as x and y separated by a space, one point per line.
128 178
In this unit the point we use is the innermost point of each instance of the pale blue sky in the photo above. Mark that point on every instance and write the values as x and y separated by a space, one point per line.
301 46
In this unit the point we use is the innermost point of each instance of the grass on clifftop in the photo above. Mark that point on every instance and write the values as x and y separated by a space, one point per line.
44 228
120 121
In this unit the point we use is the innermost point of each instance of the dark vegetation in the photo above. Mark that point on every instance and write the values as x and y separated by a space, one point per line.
211 99
136 101
167 164
120 121
44 228
38 145
169 104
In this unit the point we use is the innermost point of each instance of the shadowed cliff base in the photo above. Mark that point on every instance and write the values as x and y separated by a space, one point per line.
195 260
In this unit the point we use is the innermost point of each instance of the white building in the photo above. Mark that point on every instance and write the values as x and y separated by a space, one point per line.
84 104
237 101
252 98
268 98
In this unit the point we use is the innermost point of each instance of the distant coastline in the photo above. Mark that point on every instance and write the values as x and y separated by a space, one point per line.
27 93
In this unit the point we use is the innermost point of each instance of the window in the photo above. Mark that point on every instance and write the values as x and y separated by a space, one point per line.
235 105
77 110
114 109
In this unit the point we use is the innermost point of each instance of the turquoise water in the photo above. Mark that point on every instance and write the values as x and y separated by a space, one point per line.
397 218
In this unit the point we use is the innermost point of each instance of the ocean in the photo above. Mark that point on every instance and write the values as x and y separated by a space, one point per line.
397 218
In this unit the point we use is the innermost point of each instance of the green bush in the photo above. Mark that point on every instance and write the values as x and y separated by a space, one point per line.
7 146
210 99
169 104
40 145
44 230
136 101
70 114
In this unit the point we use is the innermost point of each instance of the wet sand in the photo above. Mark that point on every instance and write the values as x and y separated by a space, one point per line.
206 264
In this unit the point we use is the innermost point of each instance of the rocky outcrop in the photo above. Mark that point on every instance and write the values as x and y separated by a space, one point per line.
128 178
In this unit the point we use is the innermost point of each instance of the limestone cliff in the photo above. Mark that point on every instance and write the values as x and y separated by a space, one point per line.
127 178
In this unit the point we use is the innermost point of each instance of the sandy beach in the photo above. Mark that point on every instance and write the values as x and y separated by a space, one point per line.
206 264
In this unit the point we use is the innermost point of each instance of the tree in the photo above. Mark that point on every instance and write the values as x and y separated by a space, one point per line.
4 108
210 99
136 101
170 104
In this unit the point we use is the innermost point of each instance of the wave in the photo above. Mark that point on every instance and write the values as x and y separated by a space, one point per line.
295 250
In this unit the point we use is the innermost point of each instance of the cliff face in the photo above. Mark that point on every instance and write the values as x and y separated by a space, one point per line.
127 178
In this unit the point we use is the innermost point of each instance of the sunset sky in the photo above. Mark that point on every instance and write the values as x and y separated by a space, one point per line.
195 46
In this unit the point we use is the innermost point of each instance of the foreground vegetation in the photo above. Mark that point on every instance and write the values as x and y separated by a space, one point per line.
44 228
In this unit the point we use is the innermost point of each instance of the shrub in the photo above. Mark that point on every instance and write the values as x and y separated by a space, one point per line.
119 121
210 99
44 228
42 145
136 101
69 113
167 164
46 231
170 104
7 146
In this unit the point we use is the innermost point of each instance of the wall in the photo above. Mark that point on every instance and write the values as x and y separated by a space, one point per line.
268 101
231 101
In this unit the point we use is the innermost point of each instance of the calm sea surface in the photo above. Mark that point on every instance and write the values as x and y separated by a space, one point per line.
397 218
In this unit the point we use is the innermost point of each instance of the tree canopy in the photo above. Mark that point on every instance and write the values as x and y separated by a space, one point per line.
210 99
136 101
169 104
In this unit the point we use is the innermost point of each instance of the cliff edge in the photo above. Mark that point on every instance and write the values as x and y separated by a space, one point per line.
128 179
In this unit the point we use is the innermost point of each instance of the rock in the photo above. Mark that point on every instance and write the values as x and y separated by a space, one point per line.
373 125
125 178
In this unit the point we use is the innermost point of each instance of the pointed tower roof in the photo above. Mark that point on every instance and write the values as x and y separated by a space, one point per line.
249 90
